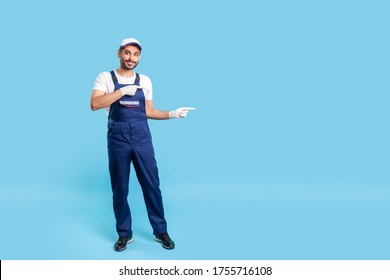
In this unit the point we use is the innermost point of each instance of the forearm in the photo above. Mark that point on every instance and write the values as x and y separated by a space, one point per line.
157 114
105 100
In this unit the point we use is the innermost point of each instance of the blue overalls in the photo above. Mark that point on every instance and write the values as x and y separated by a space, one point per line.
129 140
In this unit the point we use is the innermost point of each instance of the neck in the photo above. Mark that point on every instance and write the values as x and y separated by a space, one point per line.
125 73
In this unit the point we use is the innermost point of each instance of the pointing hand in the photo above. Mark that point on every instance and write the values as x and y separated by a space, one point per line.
180 113
129 90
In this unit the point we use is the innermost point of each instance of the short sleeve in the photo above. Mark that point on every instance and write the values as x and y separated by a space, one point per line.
101 83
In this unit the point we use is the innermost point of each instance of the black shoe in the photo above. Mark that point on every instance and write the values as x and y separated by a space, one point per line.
122 242
166 241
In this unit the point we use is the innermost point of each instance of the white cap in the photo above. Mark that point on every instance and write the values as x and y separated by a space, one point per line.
130 41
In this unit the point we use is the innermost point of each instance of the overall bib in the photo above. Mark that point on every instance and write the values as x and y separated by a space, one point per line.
129 141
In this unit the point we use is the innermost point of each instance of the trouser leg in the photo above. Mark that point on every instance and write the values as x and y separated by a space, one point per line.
147 173
119 166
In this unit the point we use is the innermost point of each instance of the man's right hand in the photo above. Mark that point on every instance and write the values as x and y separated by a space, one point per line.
129 90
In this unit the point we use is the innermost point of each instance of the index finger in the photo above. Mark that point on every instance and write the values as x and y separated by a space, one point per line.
189 108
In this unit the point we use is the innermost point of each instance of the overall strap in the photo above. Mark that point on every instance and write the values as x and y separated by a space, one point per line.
114 78
137 79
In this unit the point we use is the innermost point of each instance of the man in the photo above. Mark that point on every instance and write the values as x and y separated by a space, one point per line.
127 97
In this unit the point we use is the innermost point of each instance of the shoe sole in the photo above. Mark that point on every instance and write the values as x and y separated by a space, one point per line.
120 250
156 239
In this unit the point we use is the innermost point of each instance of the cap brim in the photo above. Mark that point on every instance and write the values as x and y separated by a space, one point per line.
132 44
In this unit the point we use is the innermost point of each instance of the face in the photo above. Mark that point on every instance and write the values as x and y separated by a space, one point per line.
129 57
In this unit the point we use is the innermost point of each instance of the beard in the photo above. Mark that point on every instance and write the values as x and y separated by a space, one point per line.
128 67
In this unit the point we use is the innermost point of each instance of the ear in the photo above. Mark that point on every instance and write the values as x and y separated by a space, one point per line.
119 53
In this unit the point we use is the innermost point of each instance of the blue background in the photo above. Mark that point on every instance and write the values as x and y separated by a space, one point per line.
286 157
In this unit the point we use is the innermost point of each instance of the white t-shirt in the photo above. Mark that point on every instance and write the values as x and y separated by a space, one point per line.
104 83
